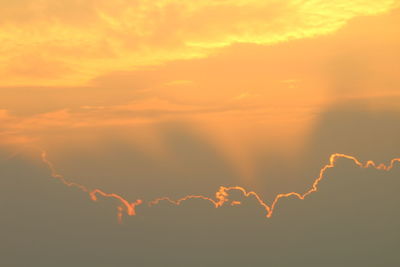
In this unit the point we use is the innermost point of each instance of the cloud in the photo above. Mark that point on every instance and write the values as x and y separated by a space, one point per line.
354 212
70 42
131 114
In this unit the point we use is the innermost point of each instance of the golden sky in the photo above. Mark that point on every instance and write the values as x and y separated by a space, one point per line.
64 43
248 77
223 106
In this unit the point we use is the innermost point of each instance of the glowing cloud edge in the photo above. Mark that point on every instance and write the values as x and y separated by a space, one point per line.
222 195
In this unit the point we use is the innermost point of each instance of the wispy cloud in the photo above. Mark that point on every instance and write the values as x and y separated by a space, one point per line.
70 42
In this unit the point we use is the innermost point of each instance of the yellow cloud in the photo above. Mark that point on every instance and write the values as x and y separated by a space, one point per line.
46 42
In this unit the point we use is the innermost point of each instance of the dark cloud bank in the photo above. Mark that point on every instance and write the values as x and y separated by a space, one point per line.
352 221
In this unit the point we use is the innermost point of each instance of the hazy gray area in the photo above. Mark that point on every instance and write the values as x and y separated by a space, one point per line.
352 221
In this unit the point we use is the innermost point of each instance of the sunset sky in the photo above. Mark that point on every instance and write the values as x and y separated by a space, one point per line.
109 107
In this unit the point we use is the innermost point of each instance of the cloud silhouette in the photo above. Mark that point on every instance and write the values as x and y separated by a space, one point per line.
46 223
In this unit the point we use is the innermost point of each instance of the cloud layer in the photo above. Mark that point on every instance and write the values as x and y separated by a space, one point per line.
70 42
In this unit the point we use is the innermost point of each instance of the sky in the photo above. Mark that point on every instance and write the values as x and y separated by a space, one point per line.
199 133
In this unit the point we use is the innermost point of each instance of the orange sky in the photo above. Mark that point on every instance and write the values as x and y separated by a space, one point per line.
71 42
168 132
245 80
